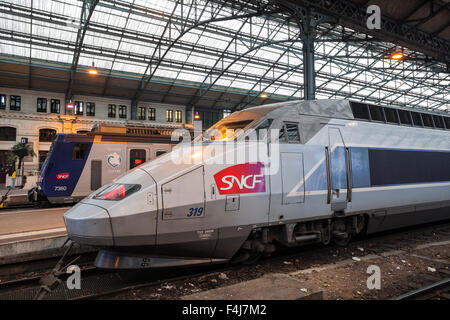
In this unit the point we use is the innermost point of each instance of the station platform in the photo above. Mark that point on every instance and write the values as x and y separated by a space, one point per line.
30 234
275 286
16 197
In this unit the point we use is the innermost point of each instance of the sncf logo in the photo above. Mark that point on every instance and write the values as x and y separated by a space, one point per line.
241 178
62 176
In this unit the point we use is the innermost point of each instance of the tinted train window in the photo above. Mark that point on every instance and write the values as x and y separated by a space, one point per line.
447 122
159 153
360 110
79 151
391 115
376 113
438 122
389 167
404 117
289 133
416 119
427 121
292 132
137 157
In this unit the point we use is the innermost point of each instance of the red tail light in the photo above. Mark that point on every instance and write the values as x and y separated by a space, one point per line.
117 191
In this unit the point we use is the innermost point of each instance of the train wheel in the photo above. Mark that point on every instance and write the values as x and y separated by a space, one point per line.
246 257
253 258
342 241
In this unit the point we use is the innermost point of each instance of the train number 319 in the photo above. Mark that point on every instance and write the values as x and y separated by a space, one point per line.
195 212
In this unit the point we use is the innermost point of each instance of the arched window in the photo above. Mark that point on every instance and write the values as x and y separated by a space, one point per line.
47 135
7 134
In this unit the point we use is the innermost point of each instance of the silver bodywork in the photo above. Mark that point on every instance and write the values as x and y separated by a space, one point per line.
152 224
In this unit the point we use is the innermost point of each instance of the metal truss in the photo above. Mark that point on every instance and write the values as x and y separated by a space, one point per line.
260 48
354 15
87 10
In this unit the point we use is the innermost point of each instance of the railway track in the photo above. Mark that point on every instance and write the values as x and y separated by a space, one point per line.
96 283
439 290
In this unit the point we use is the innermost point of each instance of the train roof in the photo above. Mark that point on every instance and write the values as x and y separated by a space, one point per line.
352 110
142 131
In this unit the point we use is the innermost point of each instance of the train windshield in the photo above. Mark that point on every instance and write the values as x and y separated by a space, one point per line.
226 130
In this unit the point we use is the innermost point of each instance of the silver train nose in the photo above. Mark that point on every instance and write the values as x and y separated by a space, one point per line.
89 224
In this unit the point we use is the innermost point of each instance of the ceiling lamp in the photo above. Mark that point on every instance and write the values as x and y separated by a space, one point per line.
263 95
397 55
197 116
93 70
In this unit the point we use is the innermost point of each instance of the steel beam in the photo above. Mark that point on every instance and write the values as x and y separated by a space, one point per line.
86 14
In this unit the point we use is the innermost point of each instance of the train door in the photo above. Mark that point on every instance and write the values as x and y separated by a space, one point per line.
184 215
337 170
96 174
287 180
136 157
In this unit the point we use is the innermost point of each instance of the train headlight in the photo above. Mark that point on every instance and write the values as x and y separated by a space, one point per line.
117 191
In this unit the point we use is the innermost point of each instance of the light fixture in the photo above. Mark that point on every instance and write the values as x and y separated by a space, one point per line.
197 116
263 95
397 55
93 70
69 105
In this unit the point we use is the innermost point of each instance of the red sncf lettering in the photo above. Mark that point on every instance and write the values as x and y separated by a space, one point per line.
241 178
62 176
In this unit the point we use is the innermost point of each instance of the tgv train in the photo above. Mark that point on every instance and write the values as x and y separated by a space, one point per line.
334 169
78 164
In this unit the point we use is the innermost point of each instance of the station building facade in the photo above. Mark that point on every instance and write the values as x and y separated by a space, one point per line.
38 116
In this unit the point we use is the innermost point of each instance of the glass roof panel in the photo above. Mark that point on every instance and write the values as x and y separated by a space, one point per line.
239 53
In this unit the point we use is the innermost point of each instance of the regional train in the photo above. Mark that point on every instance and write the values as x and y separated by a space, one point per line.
78 164
332 170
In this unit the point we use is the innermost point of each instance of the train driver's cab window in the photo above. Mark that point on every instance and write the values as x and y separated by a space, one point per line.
226 130
160 153
137 157
79 151
260 132
289 133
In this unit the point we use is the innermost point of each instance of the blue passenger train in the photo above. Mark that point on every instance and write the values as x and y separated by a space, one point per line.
78 164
